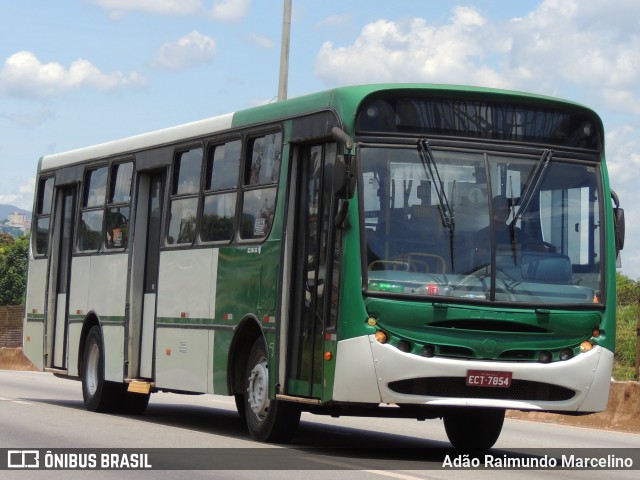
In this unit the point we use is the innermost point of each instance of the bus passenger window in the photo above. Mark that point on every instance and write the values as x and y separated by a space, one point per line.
184 197
217 217
261 169
223 165
263 160
92 211
117 219
258 209
43 216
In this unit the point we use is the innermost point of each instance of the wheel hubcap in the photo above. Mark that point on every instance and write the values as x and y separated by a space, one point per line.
257 393
91 371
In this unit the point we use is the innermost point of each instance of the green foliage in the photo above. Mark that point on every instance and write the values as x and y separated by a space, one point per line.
628 296
13 271
628 291
5 240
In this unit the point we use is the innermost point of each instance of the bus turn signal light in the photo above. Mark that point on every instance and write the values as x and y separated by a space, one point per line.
381 337
586 346
328 356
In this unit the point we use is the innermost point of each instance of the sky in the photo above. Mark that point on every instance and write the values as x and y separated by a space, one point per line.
79 72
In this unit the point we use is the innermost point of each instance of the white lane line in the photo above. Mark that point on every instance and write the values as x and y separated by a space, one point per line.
350 466
22 402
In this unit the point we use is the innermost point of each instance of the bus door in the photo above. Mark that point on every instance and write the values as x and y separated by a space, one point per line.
313 309
59 277
146 260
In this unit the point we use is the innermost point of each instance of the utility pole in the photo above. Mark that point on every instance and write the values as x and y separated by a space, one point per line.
637 372
284 51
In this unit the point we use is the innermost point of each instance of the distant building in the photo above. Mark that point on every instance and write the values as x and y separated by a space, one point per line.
17 224
17 219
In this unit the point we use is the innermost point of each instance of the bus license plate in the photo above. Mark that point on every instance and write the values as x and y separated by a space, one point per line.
484 378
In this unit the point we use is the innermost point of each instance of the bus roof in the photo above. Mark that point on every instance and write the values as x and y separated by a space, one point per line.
342 99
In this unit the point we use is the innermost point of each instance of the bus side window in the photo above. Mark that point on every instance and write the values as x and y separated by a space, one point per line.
92 211
118 206
261 170
43 215
221 181
184 197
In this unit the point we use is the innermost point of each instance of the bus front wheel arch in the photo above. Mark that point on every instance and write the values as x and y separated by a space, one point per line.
247 332
268 420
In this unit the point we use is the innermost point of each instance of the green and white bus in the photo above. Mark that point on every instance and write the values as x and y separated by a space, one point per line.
401 250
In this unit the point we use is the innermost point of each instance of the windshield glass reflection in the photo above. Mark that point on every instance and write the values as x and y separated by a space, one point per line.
480 226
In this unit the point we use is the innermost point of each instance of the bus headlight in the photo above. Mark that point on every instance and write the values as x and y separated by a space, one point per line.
544 357
566 354
428 351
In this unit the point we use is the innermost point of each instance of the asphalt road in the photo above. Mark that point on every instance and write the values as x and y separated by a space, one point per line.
40 411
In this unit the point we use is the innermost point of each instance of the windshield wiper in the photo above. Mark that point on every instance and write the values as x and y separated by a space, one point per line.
444 207
532 184
446 212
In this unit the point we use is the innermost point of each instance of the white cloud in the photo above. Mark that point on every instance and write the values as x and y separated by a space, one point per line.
560 48
118 8
585 51
25 76
192 50
413 51
220 10
43 114
333 21
260 41
580 44
623 162
230 10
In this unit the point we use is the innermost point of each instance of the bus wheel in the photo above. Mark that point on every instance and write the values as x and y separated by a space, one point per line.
240 405
474 427
99 395
267 420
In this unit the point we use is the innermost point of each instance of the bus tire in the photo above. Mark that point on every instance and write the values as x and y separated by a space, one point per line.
99 395
268 420
241 405
477 428
134 403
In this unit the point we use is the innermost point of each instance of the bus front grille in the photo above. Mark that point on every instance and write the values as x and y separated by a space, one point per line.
455 387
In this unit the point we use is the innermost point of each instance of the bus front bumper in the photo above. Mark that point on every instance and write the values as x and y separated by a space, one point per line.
370 372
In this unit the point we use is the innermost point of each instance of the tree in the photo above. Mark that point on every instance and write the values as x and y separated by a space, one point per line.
13 271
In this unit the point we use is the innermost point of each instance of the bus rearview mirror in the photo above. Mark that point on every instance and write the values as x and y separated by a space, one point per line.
618 222
344 182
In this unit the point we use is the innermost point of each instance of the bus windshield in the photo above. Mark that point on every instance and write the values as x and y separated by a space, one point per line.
485 226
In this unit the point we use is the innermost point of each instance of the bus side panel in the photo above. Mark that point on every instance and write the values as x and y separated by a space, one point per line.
356 384
78 308
186 305
98 285
33 336
181 355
